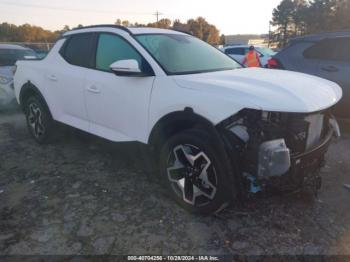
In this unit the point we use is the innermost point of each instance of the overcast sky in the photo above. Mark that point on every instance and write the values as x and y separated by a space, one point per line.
231 17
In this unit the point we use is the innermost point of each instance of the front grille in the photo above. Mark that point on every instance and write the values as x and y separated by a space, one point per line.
300 131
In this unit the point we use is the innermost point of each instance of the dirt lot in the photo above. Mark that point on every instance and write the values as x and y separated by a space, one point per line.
83 195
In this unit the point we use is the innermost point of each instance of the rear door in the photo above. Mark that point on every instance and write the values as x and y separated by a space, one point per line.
337 69
66 78
317 57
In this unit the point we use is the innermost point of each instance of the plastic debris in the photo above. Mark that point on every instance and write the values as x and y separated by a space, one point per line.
254 187
347 186
1 191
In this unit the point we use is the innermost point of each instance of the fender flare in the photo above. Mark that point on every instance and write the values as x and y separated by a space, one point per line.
29 89
178 121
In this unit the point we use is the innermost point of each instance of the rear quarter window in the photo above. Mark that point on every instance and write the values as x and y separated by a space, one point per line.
78 50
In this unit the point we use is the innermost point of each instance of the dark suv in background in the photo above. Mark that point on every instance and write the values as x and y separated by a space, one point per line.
325 55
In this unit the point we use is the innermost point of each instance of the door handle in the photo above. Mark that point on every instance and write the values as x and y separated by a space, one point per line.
53 78
330 69
93 89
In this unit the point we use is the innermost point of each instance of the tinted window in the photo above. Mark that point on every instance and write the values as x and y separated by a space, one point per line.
343 49
9 57
112 48
78 50
235 51
323 50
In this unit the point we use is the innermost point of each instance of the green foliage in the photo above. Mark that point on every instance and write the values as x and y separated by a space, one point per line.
26 33
299 17
199 27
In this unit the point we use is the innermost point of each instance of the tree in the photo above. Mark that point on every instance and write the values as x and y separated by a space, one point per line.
162 23
65 28
341 18
177 25
282 18
26 33
199 27
118 22
202 29
299 17
320 16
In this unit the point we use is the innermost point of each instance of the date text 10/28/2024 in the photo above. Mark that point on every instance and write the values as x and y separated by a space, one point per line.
173 258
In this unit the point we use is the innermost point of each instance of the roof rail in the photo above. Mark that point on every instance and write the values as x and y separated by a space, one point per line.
321 34
183 31
107 25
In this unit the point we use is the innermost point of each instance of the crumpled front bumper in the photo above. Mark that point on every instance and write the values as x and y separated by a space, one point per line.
305 168
294 172
309 161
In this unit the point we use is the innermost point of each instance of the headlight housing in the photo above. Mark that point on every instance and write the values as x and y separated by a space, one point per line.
5 80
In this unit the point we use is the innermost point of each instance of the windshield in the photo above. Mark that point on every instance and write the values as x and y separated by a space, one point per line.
9 57
266 51
184 54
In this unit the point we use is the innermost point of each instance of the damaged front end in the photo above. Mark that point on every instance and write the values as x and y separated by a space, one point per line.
284 151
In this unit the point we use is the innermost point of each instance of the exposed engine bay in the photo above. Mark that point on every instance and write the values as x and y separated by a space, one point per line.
280 149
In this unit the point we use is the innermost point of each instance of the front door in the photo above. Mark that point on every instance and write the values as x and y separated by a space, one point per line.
117 106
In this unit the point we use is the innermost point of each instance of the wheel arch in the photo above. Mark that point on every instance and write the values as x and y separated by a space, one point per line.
29 89
176 122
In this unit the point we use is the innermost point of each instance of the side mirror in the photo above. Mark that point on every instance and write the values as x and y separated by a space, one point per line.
128 67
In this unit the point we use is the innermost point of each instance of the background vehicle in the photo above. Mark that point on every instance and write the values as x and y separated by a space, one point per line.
325 55
238 52
41 53
216 129
9 54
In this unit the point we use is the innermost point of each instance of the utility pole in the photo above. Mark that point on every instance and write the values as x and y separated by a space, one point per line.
157 14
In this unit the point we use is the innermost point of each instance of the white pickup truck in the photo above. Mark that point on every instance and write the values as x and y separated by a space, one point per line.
217 130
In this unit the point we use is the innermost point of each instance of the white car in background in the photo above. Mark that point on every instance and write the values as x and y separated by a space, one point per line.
9 55
238 52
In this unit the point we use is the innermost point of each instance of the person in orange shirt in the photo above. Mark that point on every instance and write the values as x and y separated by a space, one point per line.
252 58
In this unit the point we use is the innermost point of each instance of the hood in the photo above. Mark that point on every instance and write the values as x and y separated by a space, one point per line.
266 89
6 71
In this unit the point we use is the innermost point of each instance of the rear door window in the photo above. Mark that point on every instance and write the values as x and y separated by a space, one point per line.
343 49
78 50
322 50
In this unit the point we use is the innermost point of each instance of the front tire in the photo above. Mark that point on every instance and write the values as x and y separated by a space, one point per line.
195 172
39 120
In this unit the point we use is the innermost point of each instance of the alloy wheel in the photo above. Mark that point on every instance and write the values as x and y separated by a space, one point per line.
192 175
35 120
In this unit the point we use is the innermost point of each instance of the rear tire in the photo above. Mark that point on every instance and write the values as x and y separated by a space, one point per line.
195 172
39 120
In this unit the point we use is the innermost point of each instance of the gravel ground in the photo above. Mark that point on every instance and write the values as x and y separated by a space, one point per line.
84 195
